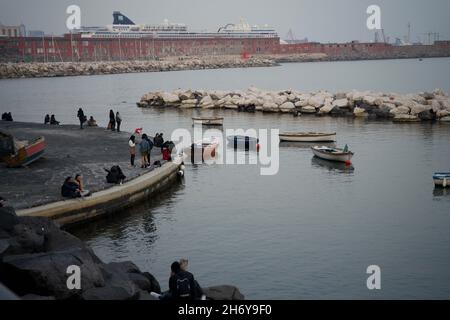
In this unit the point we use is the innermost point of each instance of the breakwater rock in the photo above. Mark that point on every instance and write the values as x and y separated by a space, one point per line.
60 69
423 106
35 255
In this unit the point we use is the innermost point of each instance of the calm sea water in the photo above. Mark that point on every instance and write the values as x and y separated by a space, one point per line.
308 232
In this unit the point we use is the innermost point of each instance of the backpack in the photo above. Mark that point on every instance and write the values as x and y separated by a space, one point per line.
115 175
183 286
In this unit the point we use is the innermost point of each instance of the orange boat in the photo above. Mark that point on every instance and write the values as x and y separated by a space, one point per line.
21 154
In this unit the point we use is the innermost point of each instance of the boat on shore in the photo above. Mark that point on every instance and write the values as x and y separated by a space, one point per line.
442 179
16 153
307 137
332 154
208 121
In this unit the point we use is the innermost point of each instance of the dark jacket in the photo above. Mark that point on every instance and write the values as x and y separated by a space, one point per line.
81 115
179 280
69 190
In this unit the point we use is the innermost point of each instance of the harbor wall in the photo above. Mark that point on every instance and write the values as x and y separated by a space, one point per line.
73 48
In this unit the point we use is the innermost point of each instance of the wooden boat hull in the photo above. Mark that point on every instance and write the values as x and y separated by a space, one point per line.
442 179
27 155
208 121
308 137
339 156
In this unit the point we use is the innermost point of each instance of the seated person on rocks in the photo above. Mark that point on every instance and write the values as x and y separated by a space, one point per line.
70 189
47 119
182 285
92 122
198 290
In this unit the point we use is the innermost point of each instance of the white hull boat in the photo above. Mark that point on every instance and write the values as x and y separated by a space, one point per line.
332 154
307 137
442 179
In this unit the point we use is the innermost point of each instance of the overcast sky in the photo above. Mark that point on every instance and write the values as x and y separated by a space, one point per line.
319 20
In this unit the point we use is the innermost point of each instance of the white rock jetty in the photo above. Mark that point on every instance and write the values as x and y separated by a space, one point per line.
420 106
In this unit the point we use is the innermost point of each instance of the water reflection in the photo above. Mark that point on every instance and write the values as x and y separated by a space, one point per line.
123 225
439 192
332 165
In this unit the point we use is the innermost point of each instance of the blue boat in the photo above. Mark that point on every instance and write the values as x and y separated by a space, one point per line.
442 179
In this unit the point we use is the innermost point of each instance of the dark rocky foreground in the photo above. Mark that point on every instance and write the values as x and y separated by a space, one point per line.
35 254
69 151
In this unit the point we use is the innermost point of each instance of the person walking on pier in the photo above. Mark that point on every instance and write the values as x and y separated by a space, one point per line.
132 145
112 121
118 120
81 117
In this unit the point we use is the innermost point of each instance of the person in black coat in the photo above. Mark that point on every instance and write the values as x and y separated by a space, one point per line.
70 189
81 117
112 121
47 119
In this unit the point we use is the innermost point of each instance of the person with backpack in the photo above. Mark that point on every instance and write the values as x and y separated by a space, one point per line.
81 117
181 283
150 147
144 148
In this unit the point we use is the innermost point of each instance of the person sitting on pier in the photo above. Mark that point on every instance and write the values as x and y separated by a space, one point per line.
6 116
70 189
158 140
79 181
92 122
53 120
47 119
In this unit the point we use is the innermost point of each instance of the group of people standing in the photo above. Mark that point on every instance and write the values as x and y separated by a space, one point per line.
114 120
145 147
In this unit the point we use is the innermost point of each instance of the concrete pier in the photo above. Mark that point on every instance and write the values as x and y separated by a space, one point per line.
35 190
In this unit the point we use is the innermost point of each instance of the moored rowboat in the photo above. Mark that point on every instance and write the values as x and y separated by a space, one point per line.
307 137
208 121
332 154
442 179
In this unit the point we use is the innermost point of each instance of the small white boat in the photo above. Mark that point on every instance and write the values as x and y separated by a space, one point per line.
442 179
307 137
332 154
202 150
208 121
